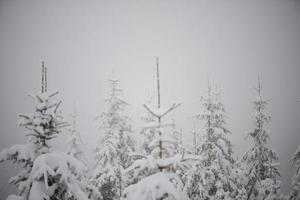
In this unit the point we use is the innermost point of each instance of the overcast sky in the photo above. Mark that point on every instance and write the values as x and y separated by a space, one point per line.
229 42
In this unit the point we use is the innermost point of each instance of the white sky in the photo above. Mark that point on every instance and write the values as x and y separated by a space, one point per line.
231 42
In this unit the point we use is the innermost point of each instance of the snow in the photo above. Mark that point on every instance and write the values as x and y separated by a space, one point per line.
148 163
15 197
69 170
56 163
157 186
39 192
18 153
169 161
162 168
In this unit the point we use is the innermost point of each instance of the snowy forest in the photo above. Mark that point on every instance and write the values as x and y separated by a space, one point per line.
152 164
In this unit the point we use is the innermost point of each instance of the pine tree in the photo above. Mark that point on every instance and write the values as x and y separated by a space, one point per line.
155 170
41 126
295 186
45 123
112 154
260 160
75 144
45 175
75 149
210 176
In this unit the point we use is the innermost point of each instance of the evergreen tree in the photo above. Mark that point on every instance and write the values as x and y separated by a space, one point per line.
155 170
112 154
295 186
75 144
44 175
211 175
260 160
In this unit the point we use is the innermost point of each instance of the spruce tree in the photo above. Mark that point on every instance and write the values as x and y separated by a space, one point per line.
260 160
112 154
156 169
44 174
75 144
211 175
295 186
39 178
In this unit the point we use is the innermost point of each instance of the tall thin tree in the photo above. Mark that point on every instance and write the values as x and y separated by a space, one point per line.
112 154
260 159
157 179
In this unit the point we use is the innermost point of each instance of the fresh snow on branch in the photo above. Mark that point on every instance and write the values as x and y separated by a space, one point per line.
154 187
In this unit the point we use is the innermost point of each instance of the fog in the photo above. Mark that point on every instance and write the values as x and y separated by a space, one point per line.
82 42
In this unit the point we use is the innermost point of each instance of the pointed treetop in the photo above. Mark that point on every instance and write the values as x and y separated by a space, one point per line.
158 83
209 88
259 86
74 117
46 81
43 69
114 84
44 77
114 87
166 111
158 113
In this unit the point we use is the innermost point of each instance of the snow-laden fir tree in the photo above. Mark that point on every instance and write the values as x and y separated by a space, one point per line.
155 170
44 175
211 175
75 144
113 153
75 149
46 122
260 160
40 127
295 186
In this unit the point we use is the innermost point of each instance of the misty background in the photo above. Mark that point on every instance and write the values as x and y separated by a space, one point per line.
230 42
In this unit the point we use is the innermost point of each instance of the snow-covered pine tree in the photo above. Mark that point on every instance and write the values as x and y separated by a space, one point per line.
75 144
44 175
46 122
260 160
210 176
41 126
75 149
155 171
295 186
112 154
